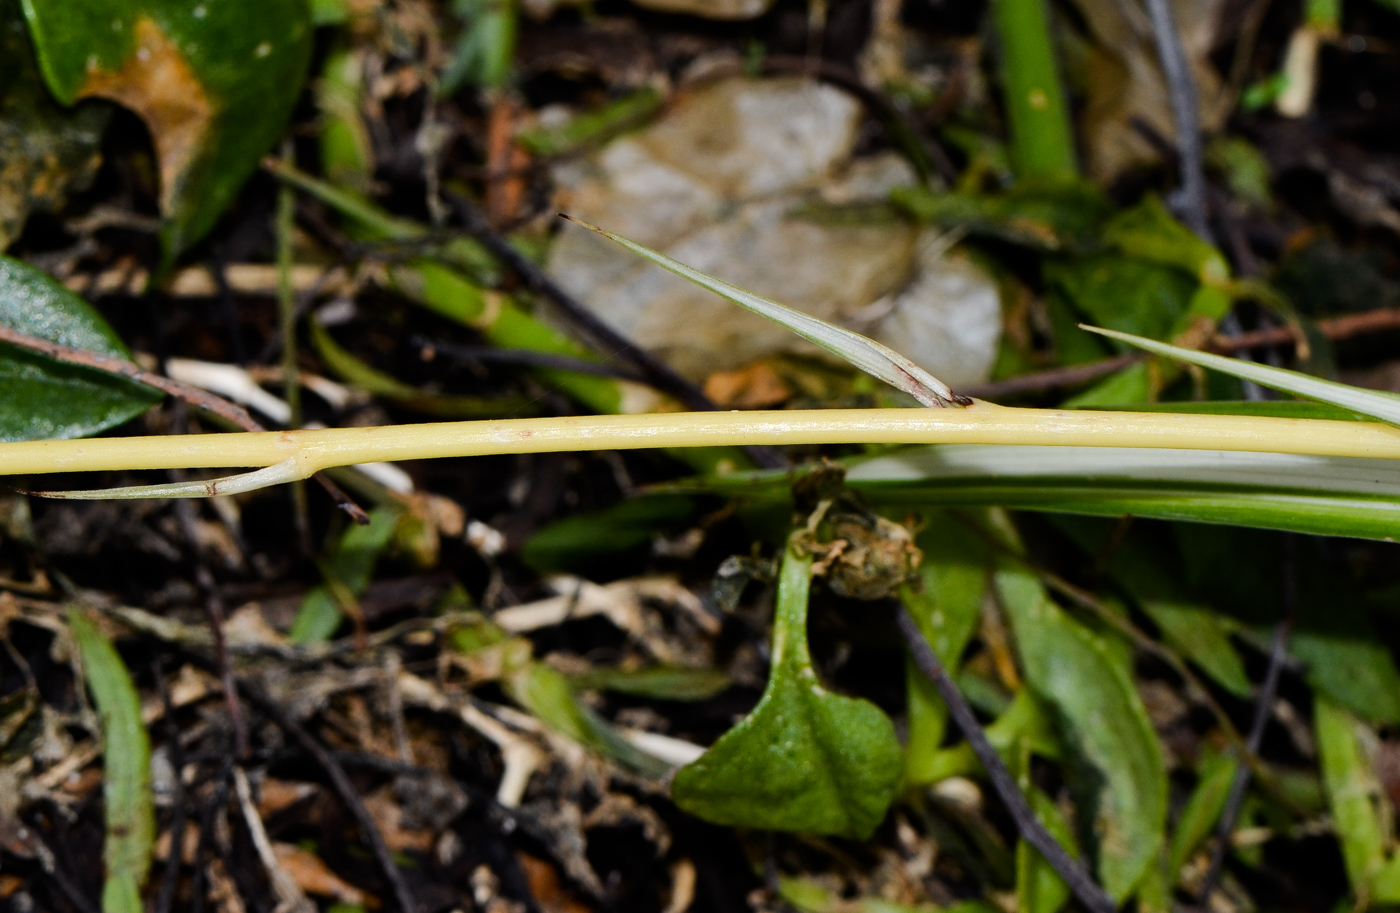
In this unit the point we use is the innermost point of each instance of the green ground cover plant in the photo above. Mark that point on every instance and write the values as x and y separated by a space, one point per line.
905 510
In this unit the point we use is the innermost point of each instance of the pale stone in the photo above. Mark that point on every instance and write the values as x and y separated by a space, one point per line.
718 184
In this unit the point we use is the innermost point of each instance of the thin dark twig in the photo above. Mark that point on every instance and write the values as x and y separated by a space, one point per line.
1054 379
1181 89
110 364
214 612
166 896
305 300
1381 320
217 802
59 876
1263 710
527 357
1093 897
658 373
213 602
343 788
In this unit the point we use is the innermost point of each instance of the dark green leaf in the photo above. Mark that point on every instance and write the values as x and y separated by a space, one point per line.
214 81
1203 637
126 783
351 565
804 760
1122 774
46 150
1048 215
487 47
1127 294
41 399
1347 662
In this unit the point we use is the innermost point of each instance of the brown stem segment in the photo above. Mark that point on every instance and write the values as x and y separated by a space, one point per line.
1090 894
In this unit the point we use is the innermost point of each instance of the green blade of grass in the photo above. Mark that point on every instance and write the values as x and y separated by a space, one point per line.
1383 406
1087 466
126 785
877 360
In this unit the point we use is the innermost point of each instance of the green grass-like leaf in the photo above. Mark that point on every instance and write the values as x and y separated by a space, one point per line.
126 785
1103 719
1382 406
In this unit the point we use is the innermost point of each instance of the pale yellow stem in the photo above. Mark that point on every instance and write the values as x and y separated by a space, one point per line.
982 423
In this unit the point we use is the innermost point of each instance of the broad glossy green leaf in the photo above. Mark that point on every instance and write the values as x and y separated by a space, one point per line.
947 605
1383 406
40 398
126 783
214 80
351 563
1122 775
805 759
575 541
668 683
1202 810
875 359
1354 796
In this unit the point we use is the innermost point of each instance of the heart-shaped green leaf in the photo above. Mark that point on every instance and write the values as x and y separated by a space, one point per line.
215 81
804 760
41 399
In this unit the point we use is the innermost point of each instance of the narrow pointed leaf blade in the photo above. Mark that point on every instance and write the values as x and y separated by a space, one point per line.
1103 718
126 789
870 356
1381 406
